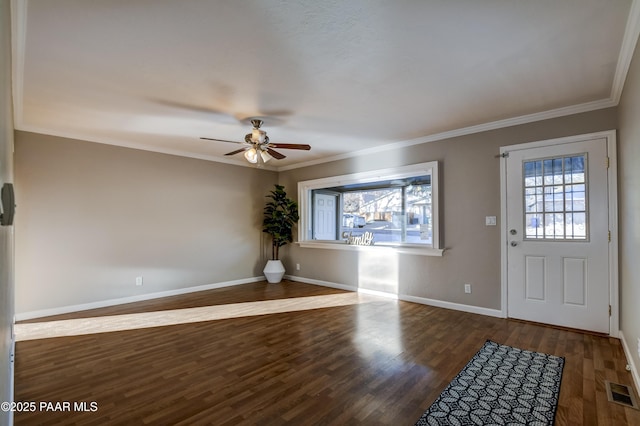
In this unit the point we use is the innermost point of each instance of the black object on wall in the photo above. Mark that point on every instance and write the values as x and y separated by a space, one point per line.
8 205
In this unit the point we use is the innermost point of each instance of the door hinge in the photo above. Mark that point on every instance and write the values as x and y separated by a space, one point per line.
606 162
609 236
609 310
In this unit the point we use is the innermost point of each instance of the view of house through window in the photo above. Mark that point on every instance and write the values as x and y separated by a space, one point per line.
397 211
392 209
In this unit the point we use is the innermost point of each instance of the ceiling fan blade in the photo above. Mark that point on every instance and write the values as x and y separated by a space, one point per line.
237 151
221 140
290 146
275 154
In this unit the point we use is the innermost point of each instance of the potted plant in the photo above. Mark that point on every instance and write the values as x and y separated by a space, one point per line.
280 215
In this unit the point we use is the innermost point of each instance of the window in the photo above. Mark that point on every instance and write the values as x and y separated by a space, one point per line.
555 198
394 208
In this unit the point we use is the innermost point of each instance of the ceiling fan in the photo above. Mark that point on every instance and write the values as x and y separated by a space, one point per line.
257 146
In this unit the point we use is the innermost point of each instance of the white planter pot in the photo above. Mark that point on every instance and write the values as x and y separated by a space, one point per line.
274 271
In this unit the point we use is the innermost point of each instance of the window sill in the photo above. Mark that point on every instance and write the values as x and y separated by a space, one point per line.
422 251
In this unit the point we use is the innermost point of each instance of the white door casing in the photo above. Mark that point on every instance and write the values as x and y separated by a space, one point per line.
562 273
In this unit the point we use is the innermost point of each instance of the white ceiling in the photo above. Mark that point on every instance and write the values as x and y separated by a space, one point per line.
342 76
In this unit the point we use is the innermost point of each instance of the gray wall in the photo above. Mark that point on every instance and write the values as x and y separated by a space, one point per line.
629 194
93 217
6 233
470 190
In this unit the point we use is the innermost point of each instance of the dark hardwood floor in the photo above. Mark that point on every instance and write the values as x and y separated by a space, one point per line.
381 362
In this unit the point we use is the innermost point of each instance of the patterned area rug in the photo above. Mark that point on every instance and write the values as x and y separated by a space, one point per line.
501 385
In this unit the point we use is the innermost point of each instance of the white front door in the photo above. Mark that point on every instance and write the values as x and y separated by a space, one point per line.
325 214
557 222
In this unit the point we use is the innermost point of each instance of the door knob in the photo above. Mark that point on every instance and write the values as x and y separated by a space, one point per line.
514 243
513 232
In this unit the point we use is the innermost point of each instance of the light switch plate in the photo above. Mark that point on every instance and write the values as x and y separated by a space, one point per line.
490 220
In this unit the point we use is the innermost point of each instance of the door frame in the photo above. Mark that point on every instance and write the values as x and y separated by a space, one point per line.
612 187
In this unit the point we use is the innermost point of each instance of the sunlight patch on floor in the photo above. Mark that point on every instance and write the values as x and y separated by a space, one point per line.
106 324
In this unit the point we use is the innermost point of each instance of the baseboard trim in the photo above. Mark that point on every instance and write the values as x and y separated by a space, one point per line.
130 299
422 300
321 283
629 356
140 298
453 306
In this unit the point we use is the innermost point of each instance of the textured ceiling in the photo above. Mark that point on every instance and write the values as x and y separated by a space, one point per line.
342 76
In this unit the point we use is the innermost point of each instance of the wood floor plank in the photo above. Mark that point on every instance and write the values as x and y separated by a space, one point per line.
375 362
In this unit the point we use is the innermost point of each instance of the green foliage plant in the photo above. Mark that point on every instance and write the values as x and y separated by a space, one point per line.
280 216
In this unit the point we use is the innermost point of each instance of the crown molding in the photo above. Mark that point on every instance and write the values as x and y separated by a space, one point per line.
142 147
509 122
629 41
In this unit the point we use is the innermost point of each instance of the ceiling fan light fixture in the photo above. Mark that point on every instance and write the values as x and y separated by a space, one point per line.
251 155
265 156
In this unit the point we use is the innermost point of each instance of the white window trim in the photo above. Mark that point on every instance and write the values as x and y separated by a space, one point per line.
304 202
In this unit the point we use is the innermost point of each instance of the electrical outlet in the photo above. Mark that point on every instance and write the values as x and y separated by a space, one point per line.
467 288
138 280
297 266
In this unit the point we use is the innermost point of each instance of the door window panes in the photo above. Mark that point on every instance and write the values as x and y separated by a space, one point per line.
555 198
